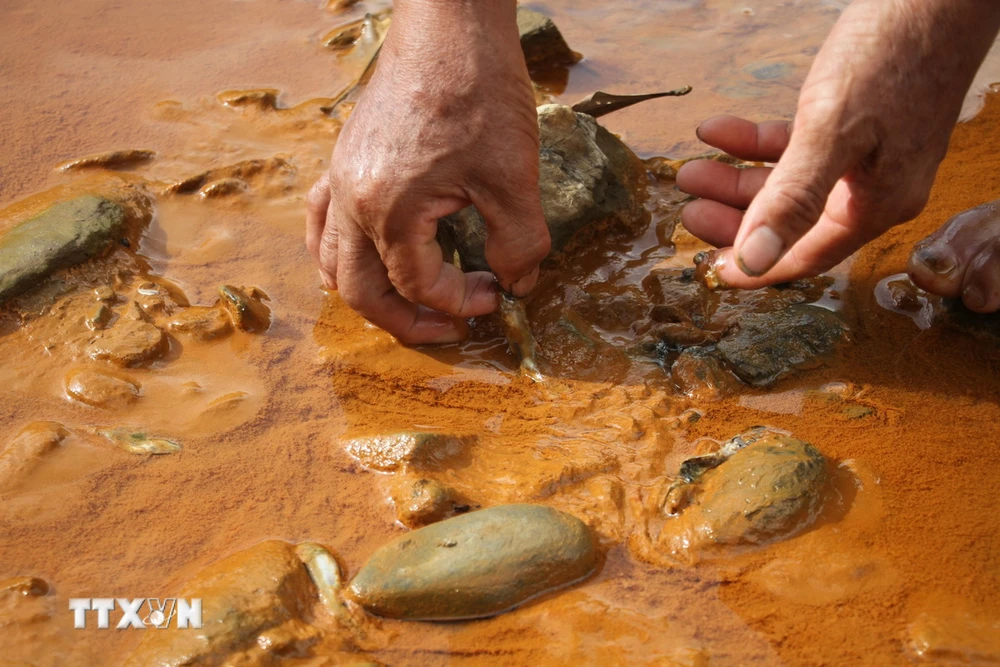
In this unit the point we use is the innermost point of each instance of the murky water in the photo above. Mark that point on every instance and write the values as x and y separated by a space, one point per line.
903 564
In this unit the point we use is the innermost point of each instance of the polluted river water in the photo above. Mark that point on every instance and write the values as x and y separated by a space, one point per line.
193 415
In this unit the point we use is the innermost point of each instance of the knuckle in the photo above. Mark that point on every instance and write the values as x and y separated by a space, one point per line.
353 297
328 248
318 199
799 207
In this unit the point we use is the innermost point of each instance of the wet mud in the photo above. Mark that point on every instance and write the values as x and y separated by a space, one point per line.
188 413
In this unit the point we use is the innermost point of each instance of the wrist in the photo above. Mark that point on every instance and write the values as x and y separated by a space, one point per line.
448 34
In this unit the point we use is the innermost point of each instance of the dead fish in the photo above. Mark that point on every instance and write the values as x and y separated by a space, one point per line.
601 103
519 337
138 442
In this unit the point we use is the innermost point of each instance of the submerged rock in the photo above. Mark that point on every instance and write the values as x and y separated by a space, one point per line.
129 343
766 346
63 235
389 453
699 373
26 450
201 323
542 43
760 486
101 389
253 603
123 159
479 564
23 586
587 175
425 501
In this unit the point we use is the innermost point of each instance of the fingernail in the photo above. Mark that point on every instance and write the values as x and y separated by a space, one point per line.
973 297
327 283
522 286
937 260
761 251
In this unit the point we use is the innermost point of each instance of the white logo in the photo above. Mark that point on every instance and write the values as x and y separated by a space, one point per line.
159 612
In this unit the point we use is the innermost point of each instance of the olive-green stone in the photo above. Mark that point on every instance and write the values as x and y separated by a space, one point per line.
476 565
65 234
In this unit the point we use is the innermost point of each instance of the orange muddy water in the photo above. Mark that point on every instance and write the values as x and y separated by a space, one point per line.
903 566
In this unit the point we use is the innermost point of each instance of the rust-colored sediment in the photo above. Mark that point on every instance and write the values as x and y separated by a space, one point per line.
907 417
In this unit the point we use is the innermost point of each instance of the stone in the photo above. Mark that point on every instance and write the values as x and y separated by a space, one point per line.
115 160
98 317
587 176
201 323
424 501
100 388
761 486
63 235
129 343
244 170
767 346
955 634
26 450
698 373
475 565
252 608
261 98
246 308
541 41
398 451
23 586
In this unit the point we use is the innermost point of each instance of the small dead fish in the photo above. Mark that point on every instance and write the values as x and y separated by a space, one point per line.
140 443
601 103
519 337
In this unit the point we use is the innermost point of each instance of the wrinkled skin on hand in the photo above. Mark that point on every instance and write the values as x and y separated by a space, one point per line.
873 122
448 120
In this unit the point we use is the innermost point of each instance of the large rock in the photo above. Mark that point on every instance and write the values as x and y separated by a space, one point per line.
769 488
587 176
252 604
67 233
475 565
766 346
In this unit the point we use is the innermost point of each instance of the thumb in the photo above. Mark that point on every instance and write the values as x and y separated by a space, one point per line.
517 238
820 152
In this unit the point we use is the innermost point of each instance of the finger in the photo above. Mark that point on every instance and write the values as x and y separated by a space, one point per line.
823 247
366 288
757 142
939 262
712 222
722 182
981 285
517 238
317 205
328 250
321 231
795 194
420 274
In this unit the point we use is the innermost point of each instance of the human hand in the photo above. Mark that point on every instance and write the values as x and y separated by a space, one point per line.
448 120
873 122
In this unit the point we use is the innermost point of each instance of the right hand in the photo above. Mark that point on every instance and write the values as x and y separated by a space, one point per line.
447 121
873 122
